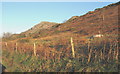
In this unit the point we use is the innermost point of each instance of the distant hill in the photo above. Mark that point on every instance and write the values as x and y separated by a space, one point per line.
103 20
40 26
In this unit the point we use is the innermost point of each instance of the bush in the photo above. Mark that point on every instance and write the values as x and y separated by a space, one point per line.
21 36
23 41
97 9
35 36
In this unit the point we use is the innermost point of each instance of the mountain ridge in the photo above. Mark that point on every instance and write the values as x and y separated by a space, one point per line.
103 19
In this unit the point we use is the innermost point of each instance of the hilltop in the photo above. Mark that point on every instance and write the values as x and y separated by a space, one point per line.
103 20
40 26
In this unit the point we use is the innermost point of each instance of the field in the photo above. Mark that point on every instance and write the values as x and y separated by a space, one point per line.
54 54
70 46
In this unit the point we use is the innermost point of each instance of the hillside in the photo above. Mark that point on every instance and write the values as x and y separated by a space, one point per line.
67 47
104 20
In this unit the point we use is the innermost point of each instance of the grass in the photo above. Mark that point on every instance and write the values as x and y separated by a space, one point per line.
17 62
55 55
26 63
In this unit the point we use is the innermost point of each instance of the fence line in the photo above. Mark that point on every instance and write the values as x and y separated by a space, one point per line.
34 49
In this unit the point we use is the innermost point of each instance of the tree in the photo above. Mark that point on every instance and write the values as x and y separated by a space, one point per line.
64 21
6 34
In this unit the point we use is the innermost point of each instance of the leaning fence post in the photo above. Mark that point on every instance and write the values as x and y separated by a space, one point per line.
72 44
89 56
34 49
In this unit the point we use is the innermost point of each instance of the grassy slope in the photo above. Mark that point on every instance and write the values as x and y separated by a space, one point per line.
59 38
88 24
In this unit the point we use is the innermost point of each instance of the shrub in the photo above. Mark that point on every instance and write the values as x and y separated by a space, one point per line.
22 36
97 9
23 41
36 36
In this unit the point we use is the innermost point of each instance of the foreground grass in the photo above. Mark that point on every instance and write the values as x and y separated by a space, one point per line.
102 53
16 62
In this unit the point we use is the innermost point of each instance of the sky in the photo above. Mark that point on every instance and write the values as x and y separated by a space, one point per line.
20 16
59 0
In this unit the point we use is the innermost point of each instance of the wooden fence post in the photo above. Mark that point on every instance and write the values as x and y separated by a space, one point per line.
104 50
6 44
89 45
34 49
117 54
89 57
72 44
16 47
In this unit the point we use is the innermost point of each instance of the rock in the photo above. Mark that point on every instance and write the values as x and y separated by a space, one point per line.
3 68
